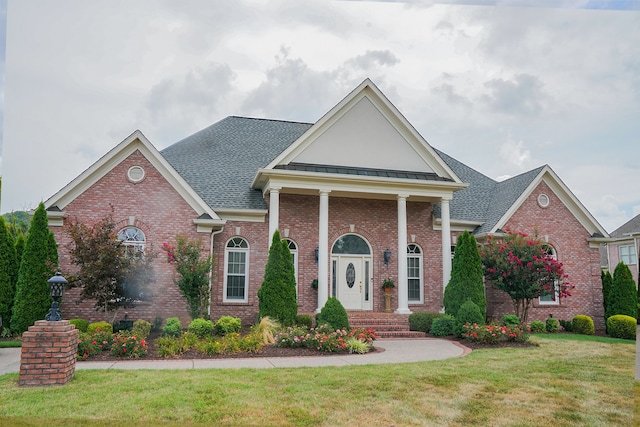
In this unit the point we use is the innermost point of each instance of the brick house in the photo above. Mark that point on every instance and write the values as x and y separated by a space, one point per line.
624 246
360 196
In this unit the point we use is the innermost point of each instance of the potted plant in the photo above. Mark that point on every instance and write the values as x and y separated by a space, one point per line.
387 285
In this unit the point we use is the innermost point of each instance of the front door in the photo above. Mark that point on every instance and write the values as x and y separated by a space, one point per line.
352 278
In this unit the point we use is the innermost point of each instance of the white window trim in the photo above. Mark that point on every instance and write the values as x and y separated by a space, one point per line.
295 260
246 272
420 257
631 256
556 299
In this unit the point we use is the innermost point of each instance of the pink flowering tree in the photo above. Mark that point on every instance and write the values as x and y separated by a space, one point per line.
525 269
192 274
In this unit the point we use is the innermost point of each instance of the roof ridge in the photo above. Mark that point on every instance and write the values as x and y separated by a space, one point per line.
269 120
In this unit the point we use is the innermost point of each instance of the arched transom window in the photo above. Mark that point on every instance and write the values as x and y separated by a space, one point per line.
133 240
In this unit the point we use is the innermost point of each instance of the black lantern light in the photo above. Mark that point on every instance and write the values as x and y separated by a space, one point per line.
56 289
317 253
387 256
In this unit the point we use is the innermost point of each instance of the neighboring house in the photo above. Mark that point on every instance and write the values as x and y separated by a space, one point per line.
623 246
360 196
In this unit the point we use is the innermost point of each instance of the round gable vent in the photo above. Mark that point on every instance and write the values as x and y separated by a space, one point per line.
543 200
135 174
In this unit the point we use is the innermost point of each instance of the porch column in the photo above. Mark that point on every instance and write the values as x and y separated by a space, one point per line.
446 242
274 211
403 291
323 250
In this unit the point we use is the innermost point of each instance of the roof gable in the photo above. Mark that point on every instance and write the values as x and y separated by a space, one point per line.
134 142
365 131
628 228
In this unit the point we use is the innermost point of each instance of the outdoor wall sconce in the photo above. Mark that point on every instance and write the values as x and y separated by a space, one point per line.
317 252
387 256
56 289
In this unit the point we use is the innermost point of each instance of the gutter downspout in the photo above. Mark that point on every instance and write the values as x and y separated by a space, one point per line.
213 233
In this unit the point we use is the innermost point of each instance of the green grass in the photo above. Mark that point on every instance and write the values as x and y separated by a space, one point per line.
10 344
590 338
562 382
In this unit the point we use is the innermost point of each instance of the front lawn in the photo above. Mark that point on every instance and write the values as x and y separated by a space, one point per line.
562 382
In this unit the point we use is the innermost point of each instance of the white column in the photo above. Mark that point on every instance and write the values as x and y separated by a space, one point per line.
446 242
323 250
274 212
403 291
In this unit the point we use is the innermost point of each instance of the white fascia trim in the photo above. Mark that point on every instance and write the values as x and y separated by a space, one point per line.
564 194
135 141
457 225
369 90
245 215
208 225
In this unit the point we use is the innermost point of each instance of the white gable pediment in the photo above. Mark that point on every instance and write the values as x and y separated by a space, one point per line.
365 130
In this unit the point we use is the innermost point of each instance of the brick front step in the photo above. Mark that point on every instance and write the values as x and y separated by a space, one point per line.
386 325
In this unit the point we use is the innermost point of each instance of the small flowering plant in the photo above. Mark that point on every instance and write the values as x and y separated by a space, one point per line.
129 346
493 334
323 338
92 344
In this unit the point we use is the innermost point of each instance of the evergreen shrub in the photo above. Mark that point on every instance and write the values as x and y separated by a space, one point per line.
537 327
173 327
623 295
567 325
551 325
201 327
621 326
304 320
443 325
583 324
510 320
227 325
81 324
466 280
141 328
469 312
333 314
95 327
422 321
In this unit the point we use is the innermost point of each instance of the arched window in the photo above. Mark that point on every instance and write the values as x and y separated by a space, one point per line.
293 248
551 299
133 240
414 274
351 244
236 271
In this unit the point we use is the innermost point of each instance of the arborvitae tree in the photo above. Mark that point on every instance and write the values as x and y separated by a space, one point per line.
8 274
39 262
20 242
466 281
277 295
623 296
607 280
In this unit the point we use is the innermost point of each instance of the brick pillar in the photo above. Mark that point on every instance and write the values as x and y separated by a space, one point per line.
48 354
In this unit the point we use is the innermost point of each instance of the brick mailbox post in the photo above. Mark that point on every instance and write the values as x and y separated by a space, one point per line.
49 347
48 354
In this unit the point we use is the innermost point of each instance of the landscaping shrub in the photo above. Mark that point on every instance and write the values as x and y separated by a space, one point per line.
333 314
304 320
324 338
443 325
466 282
551 325
99 327
583 324
537 327
422 321
469 313
227 324
493 334
87 346
266 329
621 326
172 328
80 324
141 328
354 345
128 345
623 295
510 320
201 327
157 324
567 325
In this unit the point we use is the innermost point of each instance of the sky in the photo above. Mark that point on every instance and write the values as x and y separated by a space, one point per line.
503 86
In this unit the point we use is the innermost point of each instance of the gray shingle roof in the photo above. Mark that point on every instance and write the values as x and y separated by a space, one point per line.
631 226
221 161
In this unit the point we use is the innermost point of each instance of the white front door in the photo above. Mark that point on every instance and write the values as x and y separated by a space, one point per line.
353 281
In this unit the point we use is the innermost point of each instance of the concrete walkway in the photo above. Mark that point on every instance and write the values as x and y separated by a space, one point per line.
389 351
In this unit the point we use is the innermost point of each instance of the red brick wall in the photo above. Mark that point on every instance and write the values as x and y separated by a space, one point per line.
582 263
159 211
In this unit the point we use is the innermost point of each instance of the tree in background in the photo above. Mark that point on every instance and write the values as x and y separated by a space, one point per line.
522 267
466 281
18 223
107 273
623 296
193 271
39 263
607 282
8 274
277 295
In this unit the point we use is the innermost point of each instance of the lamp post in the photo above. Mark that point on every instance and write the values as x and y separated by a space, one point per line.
56 289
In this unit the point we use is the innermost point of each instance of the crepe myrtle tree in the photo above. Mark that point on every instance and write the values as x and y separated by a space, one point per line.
523 267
